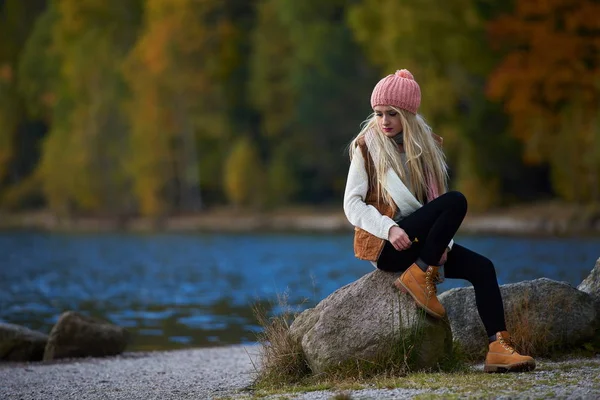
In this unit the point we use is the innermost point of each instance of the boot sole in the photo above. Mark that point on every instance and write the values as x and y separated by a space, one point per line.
502 368
400 286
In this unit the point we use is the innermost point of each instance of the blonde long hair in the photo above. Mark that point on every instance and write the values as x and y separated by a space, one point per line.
423 155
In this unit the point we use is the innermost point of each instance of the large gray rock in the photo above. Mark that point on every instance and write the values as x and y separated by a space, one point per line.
368 320
591 284
18 343
543 315
76 335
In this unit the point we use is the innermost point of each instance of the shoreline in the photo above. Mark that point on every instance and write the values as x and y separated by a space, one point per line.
548 219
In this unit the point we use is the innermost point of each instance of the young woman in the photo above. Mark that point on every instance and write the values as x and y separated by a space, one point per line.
405 220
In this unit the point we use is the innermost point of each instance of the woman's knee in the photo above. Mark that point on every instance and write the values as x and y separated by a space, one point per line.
488 266
485 271
457 199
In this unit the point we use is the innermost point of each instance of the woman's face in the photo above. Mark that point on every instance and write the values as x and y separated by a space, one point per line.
388 120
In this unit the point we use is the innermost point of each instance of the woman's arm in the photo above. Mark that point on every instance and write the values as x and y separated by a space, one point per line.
357 211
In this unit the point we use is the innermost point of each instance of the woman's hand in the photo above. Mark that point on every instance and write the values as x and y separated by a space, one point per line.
398 238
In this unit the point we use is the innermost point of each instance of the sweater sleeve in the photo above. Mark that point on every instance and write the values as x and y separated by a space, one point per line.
359 213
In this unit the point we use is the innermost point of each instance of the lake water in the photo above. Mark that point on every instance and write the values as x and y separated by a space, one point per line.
194 290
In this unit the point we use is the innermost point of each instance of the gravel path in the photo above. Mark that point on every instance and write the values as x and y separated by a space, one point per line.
225 373
187 374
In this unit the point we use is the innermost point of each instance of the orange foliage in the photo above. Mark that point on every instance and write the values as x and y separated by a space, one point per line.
549 80
553 55
6 73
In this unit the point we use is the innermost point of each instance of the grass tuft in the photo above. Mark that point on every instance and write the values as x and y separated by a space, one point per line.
457 361
282 360
528 336
538 338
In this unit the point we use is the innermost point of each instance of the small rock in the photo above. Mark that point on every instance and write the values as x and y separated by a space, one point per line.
18 343
366 319
553 315
76 335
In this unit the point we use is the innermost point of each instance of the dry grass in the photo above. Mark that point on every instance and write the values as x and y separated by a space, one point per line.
540 338
528 336
536 329
282 360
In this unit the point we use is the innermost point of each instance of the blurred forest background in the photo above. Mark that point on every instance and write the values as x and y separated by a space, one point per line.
162 107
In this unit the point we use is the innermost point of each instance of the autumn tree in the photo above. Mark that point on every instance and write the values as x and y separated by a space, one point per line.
19 134
188 99
549 81
71 77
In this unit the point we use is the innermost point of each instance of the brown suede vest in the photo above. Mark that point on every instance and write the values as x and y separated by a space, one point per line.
368 246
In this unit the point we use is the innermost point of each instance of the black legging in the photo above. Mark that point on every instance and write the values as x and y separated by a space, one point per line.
434 225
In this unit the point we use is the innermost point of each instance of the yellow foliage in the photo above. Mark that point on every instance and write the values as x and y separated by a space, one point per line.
243 175
173 72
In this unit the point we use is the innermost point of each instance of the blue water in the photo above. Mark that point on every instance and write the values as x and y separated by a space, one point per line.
185 290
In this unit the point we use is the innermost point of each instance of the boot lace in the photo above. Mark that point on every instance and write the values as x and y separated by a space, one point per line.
431 278
507 344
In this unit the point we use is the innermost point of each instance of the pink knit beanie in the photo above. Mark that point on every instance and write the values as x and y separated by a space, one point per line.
398 90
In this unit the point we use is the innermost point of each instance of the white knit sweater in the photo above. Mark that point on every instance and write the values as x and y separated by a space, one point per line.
366 216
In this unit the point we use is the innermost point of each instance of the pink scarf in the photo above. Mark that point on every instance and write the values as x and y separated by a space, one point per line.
433 191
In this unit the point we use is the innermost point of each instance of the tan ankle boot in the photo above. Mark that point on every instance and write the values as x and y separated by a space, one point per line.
502 357
421 286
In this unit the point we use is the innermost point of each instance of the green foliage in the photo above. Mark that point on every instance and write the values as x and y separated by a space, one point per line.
39 66
315 95
16 21
282 181
576 167
243 175
272 94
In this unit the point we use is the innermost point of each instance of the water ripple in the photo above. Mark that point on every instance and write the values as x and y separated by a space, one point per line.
174 291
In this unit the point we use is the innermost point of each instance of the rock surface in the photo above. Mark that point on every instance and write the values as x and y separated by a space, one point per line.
591 284
366 320
18 343
76 335
555 314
